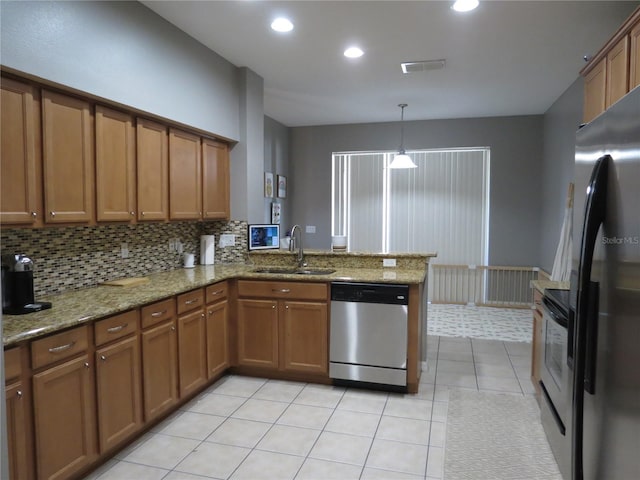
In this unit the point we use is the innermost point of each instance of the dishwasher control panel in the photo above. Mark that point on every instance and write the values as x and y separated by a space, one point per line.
389 294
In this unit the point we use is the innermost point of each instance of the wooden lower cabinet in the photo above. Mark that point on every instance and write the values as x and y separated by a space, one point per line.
159 369
304 336
119 392
258 333
217 338
18 411
192 351
290 333
65 425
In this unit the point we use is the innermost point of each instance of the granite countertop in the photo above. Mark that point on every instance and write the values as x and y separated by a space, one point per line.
541 285
80 306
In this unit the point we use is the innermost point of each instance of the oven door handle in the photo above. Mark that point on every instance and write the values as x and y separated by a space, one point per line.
551 312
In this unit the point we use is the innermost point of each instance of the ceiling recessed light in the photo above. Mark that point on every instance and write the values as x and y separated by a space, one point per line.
282 24
353 52
465 5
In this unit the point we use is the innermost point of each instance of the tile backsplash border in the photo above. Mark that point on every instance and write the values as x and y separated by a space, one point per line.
72 258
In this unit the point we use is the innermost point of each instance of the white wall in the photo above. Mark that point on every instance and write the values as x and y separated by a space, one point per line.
123 52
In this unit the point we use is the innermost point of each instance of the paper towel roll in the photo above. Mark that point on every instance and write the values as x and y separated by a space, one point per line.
207 249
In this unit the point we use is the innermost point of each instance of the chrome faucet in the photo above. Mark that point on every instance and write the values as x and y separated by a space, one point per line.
297 243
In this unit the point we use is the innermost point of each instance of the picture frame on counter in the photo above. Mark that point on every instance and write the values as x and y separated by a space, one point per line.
282 186
268 184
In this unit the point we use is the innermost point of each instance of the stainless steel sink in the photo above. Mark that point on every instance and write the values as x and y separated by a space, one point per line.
314 271
295 271
275 270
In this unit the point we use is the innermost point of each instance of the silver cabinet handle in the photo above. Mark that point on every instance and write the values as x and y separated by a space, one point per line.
19 394
202 315
273 306
103 358
210 312
287 307
86 365
117 329
34 214
132 213
158 314
173 328
142 213
62 348
189 302
217 292
281 290
53 214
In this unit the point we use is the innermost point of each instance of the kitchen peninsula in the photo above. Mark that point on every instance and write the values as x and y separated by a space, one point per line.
119 359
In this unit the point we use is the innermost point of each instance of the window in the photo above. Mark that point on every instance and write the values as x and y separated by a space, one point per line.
442 205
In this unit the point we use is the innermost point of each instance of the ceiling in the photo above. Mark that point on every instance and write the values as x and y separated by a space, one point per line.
504 58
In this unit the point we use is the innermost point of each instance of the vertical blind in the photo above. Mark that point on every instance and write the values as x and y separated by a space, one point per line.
443 205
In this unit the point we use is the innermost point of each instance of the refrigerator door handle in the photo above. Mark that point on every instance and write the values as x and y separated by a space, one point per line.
594 216
591 340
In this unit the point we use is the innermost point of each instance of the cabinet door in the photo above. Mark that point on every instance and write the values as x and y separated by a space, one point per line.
192 351
20 156
217 344
594 91
115 165
185 179
64 409
215 180
305 339
617 72
258 333
67 159
119 392
17 443
634 68
152 170
159 369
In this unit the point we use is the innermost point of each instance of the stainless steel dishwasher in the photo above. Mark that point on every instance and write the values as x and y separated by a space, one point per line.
368 340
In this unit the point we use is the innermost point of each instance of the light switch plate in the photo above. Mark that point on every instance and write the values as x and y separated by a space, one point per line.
124 250
227 240
388 262
310 229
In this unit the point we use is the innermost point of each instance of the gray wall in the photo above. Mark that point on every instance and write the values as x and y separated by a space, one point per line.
516 150
123 52
276 161
560 124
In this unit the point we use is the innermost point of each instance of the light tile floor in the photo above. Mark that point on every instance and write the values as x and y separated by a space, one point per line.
251 428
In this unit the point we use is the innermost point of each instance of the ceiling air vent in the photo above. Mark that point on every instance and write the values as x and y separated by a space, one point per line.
422 66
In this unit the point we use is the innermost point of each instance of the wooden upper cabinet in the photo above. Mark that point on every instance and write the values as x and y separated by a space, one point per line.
20 175
594 91
153 170
215 180
185 176
617 72
67 159
115 166
634 68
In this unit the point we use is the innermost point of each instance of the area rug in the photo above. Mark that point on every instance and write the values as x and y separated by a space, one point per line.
492 436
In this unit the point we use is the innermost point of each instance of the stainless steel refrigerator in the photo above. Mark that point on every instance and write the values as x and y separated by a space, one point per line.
605 296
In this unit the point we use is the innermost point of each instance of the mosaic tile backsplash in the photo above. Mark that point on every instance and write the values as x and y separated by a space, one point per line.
71 258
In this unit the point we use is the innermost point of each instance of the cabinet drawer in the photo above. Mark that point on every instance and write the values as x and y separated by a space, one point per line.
190 300
59 347
116 327
158 312
216 292
269 289
12 364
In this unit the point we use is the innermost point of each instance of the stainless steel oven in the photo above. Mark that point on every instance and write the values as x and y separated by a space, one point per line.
555 376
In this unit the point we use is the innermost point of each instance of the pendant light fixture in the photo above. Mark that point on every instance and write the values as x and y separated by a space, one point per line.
402 160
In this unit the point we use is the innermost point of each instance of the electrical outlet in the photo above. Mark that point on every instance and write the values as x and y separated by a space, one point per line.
124 250
179 246
227 240
310 229
388 262
172 245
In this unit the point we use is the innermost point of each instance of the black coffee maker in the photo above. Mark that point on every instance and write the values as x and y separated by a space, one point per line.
17 286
